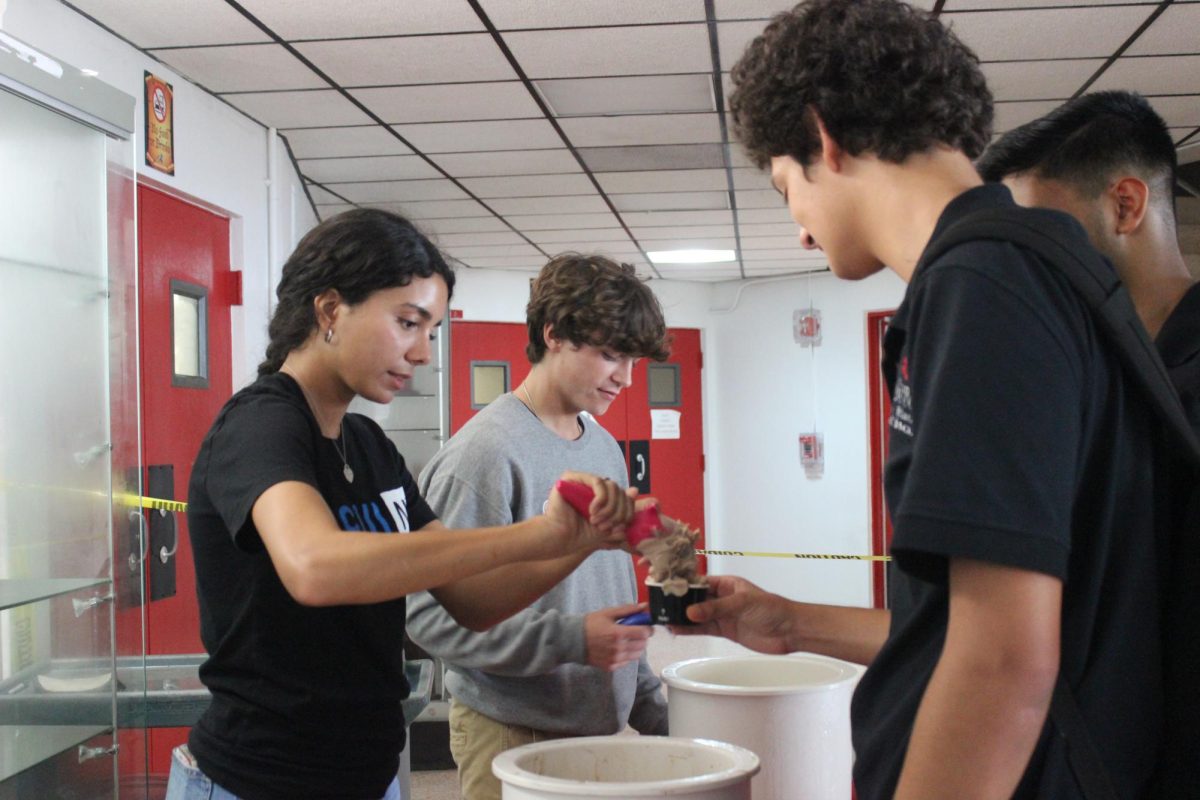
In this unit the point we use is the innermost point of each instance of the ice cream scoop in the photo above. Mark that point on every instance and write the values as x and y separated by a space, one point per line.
646 522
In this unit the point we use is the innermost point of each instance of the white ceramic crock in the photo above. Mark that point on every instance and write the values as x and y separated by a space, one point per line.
628 767
793 711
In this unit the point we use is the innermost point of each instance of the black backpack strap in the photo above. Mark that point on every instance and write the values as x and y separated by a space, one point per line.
1097 283
1085 761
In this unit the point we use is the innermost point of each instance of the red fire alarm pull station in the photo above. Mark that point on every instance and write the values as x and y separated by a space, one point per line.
812 454
806 327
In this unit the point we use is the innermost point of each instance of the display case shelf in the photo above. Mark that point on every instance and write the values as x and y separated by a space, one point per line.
19 592
22 747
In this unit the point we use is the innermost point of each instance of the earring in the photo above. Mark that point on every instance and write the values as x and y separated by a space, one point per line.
329 336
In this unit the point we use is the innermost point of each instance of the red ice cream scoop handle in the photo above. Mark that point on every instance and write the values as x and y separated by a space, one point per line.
645 523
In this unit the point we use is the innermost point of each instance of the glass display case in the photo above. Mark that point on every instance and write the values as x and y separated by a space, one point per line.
68 420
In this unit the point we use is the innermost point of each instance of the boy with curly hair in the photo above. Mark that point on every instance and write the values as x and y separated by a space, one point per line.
562 667
1019 480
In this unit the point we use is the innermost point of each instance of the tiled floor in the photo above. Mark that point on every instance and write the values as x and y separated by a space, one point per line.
664 650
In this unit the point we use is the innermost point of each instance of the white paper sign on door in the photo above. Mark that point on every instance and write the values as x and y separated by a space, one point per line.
664 423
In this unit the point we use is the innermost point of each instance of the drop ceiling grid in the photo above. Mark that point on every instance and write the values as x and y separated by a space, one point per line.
429 68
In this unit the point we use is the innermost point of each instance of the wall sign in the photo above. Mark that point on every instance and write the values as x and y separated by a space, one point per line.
160 131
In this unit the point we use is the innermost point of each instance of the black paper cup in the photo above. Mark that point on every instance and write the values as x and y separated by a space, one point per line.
670 609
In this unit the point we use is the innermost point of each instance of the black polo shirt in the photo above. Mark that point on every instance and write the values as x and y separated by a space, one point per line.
1014 439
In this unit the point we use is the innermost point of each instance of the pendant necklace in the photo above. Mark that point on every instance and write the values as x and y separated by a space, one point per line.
532 407
346 471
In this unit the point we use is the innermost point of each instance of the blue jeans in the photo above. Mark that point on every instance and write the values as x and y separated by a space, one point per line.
187 782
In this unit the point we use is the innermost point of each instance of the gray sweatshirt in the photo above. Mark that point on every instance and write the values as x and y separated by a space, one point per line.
532 668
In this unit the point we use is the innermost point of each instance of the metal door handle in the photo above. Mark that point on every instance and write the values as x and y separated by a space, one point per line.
163 553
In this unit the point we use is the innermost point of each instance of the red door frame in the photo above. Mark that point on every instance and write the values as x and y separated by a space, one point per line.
879 408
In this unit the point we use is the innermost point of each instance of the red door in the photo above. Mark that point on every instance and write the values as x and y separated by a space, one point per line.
670 469
880 409
186 292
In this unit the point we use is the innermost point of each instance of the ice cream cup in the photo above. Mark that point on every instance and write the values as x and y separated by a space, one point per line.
670 609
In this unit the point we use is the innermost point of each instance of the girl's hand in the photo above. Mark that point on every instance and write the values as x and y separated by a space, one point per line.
609 512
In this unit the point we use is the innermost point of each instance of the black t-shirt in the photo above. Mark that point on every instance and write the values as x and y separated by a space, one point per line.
1179 345
306 701
1014 439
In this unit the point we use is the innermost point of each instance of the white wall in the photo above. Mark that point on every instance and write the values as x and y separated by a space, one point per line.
766 390
220 157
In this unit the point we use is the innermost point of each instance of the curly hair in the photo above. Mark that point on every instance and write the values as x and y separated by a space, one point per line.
885 78
596 301
357 252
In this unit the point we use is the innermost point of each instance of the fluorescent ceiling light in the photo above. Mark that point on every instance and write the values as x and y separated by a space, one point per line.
690 256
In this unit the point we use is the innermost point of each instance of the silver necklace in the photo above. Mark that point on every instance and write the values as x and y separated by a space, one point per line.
346 471
532 407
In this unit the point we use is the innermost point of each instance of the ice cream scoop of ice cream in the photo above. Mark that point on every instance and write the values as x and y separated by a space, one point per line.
671 554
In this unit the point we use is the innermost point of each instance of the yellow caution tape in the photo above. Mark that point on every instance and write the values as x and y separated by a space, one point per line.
138 501
824 556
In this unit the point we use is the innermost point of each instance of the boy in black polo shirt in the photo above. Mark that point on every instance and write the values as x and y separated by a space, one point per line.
1019 478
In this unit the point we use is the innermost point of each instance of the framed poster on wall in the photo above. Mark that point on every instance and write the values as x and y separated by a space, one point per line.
159 104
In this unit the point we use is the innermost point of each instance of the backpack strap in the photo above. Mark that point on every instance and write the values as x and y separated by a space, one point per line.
1086 764
1098 285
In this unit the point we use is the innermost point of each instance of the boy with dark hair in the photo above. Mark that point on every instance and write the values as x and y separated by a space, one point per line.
1108 160
1023 510
563 667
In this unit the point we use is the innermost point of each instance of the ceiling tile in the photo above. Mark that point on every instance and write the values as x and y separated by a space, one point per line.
618 250
650 219
733 37
529 185
499 237
681 232
692 243
320 19
309 109
680 180
382 168
1012 115
508 162
552 222
1178 112
786 268
576 204
1153 75
671 201
750 9
449 102
514 14
758 198
1038 80
410 59
572 235
1173 32
645 129
520 250
647 94
326 211
601 52
788 228
984 5
169 23
437 209
782 242
651 157
441 227
398 191
361 140
239 68
751 178
507 262
1040 32
776 214
794 253
466 137
320 196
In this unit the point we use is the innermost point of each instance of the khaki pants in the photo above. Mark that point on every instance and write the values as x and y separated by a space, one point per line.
475 740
